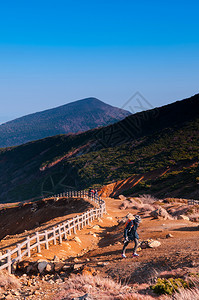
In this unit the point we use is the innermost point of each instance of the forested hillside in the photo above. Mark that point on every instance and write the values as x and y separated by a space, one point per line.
164 140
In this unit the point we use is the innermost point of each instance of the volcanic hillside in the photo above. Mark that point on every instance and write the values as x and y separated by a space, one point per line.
74 117
157 149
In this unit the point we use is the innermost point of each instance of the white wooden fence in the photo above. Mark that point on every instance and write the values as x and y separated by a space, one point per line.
59 232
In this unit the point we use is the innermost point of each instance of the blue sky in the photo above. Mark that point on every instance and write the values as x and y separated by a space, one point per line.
55 52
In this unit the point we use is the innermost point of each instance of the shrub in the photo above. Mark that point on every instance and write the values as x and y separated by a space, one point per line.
168 286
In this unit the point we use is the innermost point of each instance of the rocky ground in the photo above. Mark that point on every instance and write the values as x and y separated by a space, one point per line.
97 251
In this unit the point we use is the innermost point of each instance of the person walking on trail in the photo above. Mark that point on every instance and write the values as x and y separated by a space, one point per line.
130 234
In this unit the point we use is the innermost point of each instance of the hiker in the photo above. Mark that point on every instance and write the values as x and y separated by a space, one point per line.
130 234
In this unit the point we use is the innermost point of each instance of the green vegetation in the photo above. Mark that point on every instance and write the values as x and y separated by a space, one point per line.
164 149
168 286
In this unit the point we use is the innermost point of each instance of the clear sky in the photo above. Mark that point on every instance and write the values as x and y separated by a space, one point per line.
54 52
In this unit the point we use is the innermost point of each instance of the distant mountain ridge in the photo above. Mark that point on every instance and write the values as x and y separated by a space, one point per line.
73 117
158 148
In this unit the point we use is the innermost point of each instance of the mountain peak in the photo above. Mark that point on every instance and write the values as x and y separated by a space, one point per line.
77 116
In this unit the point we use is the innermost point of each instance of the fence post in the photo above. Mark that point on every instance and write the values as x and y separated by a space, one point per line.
78 223
38 244
46 238
54 236
9 262
69 229
74 229
87 216
60 237
28 246
19 251
65 235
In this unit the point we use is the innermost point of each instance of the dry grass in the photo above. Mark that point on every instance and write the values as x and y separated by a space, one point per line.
194 217
98 288
143 203
147 199
8 281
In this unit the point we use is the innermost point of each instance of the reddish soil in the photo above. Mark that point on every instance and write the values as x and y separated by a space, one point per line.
181 251
25 216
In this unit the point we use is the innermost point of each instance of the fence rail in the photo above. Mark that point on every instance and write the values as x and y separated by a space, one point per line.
59 232
193 202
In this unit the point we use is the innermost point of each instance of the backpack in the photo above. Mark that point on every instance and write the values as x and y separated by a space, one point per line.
127 222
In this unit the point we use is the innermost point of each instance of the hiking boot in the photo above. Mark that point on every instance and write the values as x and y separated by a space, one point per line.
123 255
135 254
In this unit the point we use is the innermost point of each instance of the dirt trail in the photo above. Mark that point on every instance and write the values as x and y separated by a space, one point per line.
100 248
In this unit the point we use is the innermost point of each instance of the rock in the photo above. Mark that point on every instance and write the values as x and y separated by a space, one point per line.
160 213
29 268
76 259
41 266
96 227
66 267
169 235
49 267
94 235
183 217
102 264
58 266
121 197
88 271
36 292
77 240
154 244
77 266
55 259
23 265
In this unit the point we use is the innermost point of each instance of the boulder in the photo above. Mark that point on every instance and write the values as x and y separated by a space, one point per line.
41 266
183 217
160 213
154 244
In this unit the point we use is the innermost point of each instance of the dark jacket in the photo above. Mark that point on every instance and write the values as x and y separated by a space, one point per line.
131 231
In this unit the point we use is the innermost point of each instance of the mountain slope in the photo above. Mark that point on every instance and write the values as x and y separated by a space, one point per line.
158 140
74 117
